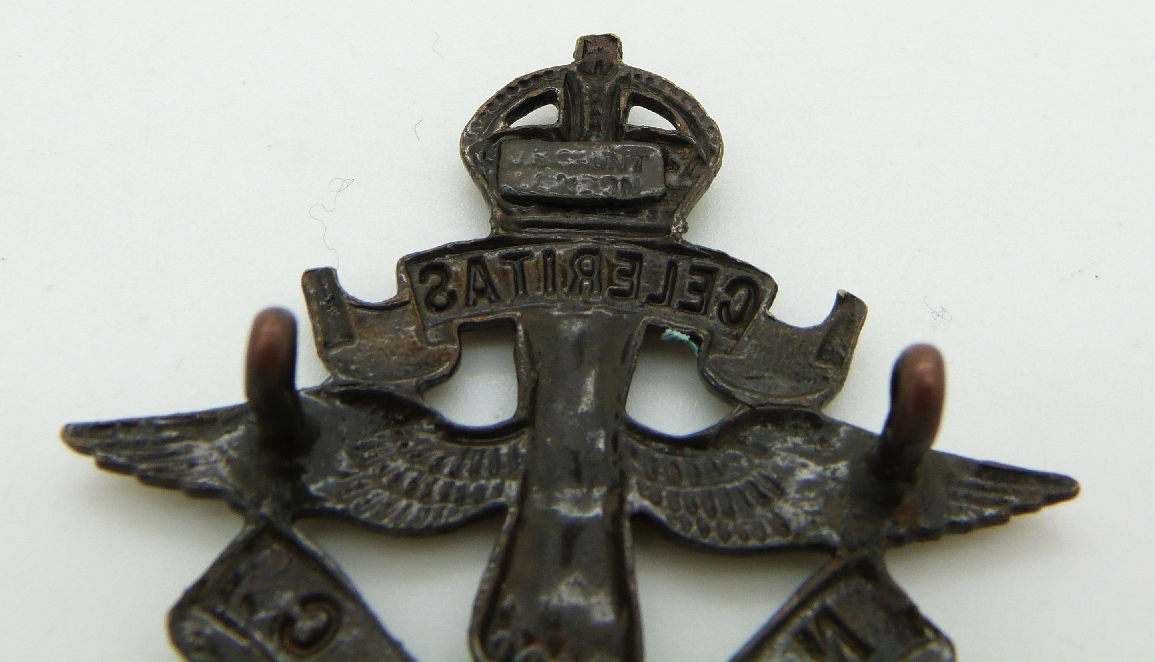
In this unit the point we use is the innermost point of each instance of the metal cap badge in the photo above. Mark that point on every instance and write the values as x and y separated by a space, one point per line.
585 258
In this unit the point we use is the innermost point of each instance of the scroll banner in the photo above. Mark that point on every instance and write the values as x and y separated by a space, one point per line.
687 286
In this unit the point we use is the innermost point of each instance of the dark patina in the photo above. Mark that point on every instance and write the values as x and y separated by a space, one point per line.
585 257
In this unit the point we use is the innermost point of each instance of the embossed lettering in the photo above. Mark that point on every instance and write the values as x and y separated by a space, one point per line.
549 271
478 282
626 273
515 260
440 296
664 296
699 287
580 170
587 272
311 625
618 275
741 299
827 636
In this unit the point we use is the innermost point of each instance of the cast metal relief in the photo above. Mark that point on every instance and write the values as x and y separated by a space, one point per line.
585 256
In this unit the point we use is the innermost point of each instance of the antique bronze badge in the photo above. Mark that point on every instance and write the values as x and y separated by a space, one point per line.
585 256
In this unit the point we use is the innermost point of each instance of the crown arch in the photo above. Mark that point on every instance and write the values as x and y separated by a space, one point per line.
591 170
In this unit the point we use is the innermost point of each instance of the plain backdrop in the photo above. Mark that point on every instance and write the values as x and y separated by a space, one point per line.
982 174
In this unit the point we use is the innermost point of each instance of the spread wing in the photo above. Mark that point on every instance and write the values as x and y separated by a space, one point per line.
382 460
750 482
196 453
416 472
781 477
956 494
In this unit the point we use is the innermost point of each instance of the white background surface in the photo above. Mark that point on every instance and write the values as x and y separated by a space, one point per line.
980 173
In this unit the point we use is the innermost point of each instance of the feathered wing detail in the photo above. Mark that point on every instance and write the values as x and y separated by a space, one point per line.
710 498
956 494
420 474
196 453
781 477
760 480
381 459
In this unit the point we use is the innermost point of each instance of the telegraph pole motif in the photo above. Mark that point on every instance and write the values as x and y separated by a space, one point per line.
585 256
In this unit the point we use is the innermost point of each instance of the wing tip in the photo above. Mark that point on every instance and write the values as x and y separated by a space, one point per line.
83 437
116 452
1063 488
1049 488
980 495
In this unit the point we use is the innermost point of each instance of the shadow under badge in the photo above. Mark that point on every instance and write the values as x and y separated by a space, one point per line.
585 256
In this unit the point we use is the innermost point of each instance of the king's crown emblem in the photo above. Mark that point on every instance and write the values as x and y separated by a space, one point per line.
592 169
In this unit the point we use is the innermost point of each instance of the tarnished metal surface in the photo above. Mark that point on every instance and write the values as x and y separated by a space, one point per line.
585 256
577 172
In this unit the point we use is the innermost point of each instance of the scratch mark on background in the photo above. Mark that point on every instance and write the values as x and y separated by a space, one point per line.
940 313
415 128
336 185
436 38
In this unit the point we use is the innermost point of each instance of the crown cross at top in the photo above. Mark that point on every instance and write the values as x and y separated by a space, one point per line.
593 90
592 170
